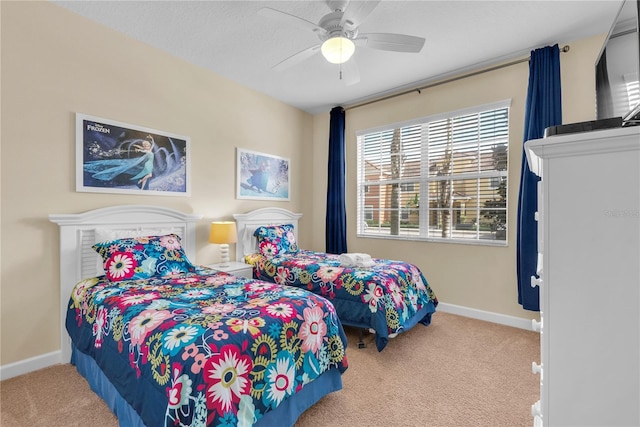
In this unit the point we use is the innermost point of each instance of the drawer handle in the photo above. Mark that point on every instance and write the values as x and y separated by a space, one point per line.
535 368
535 410
535 325
535 281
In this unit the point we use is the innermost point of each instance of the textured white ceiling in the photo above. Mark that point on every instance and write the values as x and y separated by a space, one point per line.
231 39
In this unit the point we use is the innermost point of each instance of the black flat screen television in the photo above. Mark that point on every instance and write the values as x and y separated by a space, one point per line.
618 68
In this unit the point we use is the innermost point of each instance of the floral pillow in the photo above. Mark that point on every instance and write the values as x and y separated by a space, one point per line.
136 258
276 240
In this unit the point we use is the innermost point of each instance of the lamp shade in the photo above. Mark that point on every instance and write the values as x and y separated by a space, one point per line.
223 232
338 50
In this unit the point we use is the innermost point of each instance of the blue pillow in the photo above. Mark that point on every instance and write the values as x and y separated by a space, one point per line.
143 257
276 240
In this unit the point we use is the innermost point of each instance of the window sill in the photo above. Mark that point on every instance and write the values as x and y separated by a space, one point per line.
482 242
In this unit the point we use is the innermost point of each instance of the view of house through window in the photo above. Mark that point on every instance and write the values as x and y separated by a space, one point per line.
437 178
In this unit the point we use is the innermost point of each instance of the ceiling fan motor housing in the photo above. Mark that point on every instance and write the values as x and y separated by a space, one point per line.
331 23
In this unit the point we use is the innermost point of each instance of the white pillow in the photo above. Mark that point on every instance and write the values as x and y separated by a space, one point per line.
249 241
105 234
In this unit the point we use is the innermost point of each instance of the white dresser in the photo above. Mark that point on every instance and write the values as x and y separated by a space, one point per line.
589 278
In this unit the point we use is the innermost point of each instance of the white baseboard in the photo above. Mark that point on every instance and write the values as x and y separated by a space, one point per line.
487 316
29 365
45 360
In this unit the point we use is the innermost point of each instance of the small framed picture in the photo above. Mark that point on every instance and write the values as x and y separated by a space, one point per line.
262 176
116 157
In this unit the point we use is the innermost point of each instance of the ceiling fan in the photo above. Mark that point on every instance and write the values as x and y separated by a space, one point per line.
339 35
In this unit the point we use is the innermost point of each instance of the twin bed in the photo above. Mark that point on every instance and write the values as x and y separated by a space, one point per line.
166 342
386 298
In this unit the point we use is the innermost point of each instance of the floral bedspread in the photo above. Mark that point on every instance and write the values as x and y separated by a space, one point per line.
389 297
205 348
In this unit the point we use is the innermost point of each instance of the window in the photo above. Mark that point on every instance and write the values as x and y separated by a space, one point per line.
632 86
439 178
368 213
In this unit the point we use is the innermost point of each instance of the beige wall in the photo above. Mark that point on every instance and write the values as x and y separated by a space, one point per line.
480 277
55 63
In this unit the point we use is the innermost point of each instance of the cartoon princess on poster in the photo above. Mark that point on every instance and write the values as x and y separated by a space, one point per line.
140 168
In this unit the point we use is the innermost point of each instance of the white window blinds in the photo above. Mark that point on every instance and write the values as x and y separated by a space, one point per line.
438 178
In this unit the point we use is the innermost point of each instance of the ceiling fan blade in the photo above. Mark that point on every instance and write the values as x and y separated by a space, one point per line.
296 58
357 11
289 19
393 42
350 73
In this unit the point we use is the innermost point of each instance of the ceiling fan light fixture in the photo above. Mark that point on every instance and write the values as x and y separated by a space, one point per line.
338 50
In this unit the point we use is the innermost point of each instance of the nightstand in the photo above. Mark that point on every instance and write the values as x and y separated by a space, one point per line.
239 269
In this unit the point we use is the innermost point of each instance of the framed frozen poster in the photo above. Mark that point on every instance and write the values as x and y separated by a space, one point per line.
115 157
262 176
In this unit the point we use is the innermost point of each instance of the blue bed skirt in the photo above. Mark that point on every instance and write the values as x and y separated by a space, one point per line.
423 316
285 415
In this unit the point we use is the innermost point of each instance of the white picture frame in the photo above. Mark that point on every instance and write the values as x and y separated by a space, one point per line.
262 176
117 157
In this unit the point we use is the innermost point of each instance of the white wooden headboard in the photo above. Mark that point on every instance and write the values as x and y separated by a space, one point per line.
247 223
78 233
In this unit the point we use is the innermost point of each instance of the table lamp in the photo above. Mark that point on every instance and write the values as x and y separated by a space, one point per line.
223 233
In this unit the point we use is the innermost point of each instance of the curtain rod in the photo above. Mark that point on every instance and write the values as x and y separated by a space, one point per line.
449 80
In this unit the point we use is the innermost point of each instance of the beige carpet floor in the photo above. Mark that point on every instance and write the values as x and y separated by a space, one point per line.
456 372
